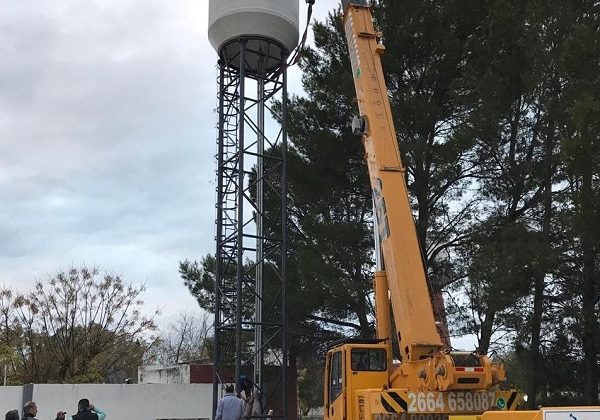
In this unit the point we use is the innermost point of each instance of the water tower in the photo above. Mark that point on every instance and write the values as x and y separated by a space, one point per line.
253 39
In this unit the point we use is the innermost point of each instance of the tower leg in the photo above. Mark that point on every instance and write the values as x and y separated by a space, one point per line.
250 262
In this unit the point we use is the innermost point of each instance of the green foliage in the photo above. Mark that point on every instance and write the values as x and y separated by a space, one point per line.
200 281
535 128
330 198
427 66
310 387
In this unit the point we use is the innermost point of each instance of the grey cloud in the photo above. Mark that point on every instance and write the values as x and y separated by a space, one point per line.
105 150
107 140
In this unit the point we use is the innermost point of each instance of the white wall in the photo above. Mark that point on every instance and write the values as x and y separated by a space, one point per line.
10 398
122 401
158 374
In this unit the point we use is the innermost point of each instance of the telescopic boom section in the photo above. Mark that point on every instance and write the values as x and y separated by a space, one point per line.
411 304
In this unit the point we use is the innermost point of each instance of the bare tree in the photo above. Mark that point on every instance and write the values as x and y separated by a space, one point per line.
184 340
81 325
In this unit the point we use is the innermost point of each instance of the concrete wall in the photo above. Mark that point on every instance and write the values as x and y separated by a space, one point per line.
159 374
11 398
181 374
121 401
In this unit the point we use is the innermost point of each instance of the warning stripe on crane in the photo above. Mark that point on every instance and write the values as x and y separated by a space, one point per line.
512 401
393 402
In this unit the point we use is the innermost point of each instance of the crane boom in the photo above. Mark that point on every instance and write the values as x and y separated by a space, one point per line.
401 278
411 304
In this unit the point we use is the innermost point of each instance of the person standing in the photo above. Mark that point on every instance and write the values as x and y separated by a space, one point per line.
87 411
246 386
30 411
229 407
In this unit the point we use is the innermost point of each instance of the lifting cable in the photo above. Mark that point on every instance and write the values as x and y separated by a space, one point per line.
297 54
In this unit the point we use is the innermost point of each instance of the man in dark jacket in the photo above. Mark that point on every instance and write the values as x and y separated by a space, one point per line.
86 411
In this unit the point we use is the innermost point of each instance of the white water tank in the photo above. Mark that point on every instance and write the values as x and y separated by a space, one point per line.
271 26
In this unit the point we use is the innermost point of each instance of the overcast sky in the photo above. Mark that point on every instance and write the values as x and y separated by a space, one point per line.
107 137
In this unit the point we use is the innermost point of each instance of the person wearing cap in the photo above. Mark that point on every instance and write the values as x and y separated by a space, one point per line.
61 415
12 415
246 386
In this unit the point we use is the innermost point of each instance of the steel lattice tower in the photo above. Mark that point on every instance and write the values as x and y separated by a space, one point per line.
250 283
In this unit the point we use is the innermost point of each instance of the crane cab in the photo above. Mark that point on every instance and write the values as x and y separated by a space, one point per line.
352 365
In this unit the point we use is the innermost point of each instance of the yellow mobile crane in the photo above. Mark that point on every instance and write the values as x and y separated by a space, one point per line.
430 382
